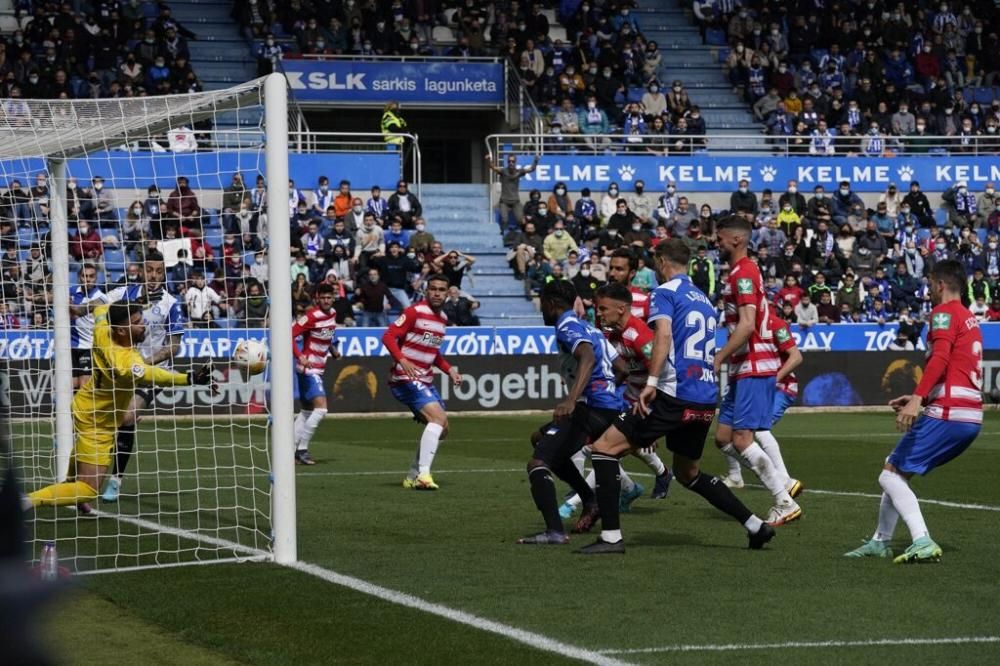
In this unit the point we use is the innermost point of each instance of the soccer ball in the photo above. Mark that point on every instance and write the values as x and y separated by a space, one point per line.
250 356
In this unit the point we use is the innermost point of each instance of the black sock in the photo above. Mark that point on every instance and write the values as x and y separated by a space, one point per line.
720 496
609 487
569 473
543 491
124 445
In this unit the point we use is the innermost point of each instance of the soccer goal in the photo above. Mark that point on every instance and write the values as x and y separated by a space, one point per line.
138 198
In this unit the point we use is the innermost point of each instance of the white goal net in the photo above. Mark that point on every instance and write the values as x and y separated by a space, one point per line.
163 202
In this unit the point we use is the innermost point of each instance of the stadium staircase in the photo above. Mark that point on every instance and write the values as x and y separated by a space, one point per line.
459 217
700 68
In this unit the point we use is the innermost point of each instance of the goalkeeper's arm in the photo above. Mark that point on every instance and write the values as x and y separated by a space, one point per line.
130 364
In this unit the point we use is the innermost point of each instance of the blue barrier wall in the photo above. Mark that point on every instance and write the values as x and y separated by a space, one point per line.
712 173
473 340
436 83
214 170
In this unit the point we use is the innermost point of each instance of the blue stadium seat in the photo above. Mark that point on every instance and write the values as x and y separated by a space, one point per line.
723 54
982 233
923 235
816 55
938 152
983 95
635 95
213 236
716 37
210 218
113 276
248 258
940 217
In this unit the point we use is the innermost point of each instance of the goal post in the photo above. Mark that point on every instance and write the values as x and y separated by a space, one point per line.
212 477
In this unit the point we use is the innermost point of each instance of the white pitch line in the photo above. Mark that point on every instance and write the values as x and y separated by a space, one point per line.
529 638
263 557
876 642
848 493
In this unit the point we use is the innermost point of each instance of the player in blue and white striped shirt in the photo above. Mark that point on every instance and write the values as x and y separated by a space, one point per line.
82 300
678 403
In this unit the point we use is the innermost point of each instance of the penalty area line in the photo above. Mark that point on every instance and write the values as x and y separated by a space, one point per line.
529 638
793 645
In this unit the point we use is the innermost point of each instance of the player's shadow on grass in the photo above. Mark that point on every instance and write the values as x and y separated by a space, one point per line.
667 538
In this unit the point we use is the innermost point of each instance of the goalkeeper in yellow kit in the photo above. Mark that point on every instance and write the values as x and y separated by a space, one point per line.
101 404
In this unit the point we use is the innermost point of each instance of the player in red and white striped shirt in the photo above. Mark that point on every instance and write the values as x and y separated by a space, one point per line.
950 397
784 397
414 342
316 328
621 269
633 340
753 363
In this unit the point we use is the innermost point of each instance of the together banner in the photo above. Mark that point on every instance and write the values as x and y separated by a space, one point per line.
427 83
530 381
714 173
473 341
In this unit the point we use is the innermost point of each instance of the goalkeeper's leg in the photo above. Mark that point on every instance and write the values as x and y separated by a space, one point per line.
92 462
124 445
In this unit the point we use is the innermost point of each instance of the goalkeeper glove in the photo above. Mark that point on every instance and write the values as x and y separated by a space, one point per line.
200 376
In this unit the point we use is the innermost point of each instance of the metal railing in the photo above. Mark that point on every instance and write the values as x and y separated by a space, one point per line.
744 145
400 58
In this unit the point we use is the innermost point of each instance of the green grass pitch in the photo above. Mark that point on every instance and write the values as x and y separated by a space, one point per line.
687 579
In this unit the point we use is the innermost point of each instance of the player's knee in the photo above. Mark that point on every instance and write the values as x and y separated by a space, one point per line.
535 438
318 413
685 475
536 463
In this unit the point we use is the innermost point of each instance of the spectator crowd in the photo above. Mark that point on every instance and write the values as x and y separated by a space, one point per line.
374 250
826 257
864 78
75 50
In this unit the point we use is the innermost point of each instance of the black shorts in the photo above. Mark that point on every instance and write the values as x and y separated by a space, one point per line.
560 441
82 363
684 424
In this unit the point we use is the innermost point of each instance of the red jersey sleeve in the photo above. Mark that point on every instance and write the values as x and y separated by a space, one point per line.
745 285
941 338
782 335
303 324
397 331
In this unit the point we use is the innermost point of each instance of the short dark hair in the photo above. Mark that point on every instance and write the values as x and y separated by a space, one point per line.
625 253
120 313
675 251
559 292
951 272
438 277
615 291
153 255
734 223
324 288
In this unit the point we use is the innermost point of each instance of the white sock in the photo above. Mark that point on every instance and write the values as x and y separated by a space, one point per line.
762 467
575 500
653 461
905 502
734 460
429 446
753 524
887 519
611 536
414 470
768 442
309 428
578 459
628 485
300 423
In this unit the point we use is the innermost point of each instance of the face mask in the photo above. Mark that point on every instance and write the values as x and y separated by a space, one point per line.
560 191
591 105
744 189
962 190
612 232
607 74
411 255
989 191
559 233
787 207
33 79
947 112
845 191
905 211
782 69
993 246
98 186
613 191
136 210
585 272
420 227
636 227
373 279
739 49
542 210
920 128
324 188
909 228
654 89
